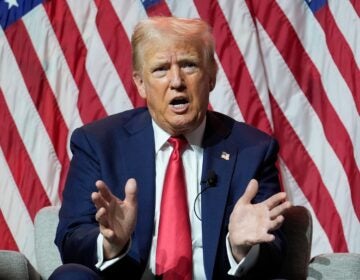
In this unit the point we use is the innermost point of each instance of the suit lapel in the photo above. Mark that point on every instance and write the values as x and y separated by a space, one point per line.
140 155
220 157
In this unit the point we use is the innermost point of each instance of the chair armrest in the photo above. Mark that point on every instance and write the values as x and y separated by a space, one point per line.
47 254
297 228
15 266
334 266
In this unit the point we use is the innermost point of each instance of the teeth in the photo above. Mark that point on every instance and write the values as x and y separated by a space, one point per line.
178 106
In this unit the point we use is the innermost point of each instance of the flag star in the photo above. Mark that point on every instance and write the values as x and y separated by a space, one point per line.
12 3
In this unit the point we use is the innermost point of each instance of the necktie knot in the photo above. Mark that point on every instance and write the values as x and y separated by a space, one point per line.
178 143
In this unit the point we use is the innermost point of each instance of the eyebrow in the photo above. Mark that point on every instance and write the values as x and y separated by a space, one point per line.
186 58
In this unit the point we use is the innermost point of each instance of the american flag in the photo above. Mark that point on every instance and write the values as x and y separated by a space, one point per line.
290 68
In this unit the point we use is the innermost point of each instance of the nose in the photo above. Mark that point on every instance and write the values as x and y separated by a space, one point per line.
176 80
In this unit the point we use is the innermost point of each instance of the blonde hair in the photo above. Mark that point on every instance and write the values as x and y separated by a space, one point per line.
195 31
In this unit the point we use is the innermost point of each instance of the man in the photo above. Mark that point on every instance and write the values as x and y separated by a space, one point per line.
234 207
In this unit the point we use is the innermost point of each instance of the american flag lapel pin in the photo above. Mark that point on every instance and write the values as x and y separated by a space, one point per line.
225 156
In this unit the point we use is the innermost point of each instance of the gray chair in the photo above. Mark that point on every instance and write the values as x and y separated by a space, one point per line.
297 266
335 266
15 266
47 254
297 228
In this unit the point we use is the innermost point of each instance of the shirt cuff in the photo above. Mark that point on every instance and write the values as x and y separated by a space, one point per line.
101 264
241 268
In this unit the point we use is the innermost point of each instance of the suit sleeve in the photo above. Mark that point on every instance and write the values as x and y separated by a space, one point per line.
78 230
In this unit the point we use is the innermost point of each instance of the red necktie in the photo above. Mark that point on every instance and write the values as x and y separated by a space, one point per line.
174 249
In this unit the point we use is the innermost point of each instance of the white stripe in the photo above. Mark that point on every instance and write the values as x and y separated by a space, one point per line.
245 35
184 9
314 42
129 12
308 127
222 98
349 24
54 64
28 122
320 241
99 66
15 212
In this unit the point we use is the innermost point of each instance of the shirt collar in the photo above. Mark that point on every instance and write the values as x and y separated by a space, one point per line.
194 138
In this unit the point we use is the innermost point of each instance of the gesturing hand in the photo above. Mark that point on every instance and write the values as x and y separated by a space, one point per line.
117 218
251 224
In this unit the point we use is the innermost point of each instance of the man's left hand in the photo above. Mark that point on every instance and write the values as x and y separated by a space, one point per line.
252 224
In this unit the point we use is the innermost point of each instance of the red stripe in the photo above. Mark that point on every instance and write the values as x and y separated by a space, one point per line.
75 52
118 46
312 185
282 33
158 9
20 164
356 5
234 66
40 92
341 52
7 241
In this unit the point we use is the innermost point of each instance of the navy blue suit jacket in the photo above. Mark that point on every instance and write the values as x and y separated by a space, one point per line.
121 146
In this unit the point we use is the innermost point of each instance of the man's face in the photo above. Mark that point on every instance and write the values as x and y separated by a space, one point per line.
176 85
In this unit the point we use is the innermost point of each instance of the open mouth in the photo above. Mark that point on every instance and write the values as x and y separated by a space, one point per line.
179 102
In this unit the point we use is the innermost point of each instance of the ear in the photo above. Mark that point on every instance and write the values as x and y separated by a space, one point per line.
139 82
213 74
212 84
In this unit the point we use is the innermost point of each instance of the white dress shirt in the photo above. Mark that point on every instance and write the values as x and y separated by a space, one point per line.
192 158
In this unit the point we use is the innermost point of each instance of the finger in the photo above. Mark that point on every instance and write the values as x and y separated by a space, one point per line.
250 192
109 234
101 217
279 209
104 190
276 223
98 200
269 238
131 191
275 200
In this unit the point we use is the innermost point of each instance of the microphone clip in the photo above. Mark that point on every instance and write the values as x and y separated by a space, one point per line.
211 179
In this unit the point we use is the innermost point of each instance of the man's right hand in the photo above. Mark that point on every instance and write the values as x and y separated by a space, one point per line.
117 218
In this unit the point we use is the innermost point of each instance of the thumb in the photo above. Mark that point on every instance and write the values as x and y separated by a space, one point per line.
250 192
131 191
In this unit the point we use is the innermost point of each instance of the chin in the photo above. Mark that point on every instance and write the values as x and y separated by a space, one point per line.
182 127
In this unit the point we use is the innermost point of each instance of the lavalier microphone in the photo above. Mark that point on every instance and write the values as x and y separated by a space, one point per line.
210 182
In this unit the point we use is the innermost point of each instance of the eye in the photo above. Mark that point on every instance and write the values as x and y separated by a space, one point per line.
189 66
160 71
